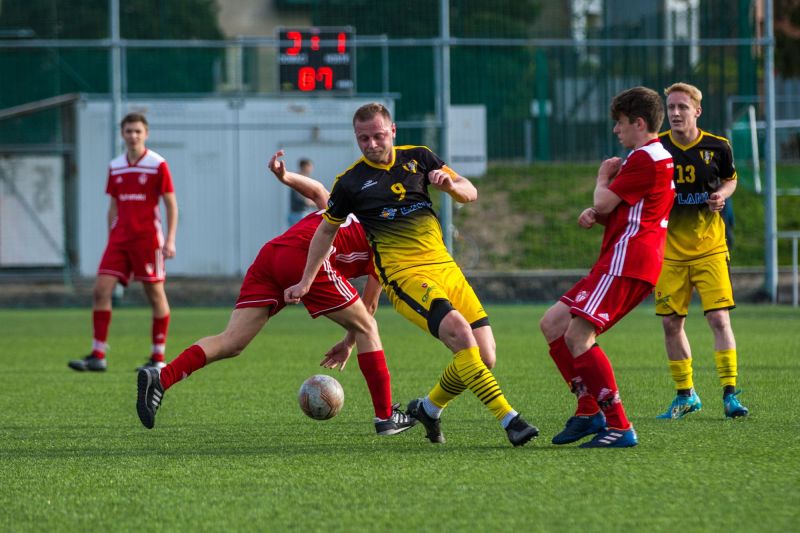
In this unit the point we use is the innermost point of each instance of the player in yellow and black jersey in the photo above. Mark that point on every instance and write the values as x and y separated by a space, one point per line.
696 254
393 205
387 189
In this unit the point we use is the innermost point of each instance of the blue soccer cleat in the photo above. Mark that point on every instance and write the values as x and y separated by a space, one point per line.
580 426
681 406
733 409
613 438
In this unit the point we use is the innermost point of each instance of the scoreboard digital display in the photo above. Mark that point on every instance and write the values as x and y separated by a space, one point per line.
316 60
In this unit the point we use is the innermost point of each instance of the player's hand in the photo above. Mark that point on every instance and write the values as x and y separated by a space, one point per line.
715 201
337 356
276 165
293 294
168 250
441 180
608 169
588 218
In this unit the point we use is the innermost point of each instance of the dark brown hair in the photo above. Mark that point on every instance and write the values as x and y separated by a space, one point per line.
639 102
134 117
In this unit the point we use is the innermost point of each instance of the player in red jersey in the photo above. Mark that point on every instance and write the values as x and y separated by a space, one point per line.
632 199
279 265
136 245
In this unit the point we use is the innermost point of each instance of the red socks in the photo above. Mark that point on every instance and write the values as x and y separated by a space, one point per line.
160 326
190 360
373 366
594 369
100 322
566 365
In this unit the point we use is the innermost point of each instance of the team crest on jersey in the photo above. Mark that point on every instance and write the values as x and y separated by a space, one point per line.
142 178
119 179
707 156
389 213
411 166
581 296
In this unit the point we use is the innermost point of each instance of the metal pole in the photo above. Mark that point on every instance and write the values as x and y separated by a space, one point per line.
770 203
444 151
115 65
794 271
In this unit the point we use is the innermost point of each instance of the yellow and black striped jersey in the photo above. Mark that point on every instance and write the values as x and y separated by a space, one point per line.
393 205
694 231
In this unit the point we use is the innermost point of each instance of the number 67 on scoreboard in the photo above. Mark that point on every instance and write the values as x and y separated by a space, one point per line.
316 59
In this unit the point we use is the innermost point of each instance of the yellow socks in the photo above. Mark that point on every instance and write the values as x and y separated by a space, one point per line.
467 370
726 367
682 373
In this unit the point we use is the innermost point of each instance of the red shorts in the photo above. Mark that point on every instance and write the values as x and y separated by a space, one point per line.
603 299
276 268
143 260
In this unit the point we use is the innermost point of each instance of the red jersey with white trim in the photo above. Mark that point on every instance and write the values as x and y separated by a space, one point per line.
636 230
137 187
351 251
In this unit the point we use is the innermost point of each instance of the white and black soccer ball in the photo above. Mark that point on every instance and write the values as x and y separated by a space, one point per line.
321 397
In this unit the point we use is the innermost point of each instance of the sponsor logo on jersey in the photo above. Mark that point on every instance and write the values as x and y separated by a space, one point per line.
133 197
427 294
707 156
604 316
581 296
415 207
369 183
389 213
142 178
691 198
411 166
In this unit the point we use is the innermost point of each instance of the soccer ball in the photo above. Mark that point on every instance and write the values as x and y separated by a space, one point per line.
321 397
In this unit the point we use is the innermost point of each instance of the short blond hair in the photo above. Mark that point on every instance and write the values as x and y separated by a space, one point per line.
681 87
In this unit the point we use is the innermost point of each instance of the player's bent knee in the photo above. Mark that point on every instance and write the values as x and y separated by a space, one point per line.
439 309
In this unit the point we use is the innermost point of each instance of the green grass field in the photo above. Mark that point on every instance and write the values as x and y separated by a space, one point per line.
231 450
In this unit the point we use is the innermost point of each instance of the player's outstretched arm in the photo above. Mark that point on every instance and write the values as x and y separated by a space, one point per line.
448 180
317 252
308 187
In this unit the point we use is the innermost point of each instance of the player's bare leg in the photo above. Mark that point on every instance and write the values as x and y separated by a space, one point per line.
243 326
101 320
679 353
157 297
588 418
595 372
726 361
362 327
467 370
485 339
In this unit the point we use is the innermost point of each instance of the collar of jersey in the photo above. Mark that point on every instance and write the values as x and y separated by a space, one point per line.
687 146
387 166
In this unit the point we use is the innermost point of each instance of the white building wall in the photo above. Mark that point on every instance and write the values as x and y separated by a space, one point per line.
217 150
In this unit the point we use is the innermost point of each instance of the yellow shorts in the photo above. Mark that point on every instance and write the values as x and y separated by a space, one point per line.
710 277
412 292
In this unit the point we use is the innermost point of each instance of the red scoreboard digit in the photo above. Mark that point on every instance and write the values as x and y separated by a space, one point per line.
316 60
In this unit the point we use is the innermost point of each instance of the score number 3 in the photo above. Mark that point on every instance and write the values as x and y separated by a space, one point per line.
686 173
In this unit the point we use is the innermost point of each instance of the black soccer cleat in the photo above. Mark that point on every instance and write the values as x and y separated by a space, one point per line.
520 432
432 431
149 397
90 362
397 423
